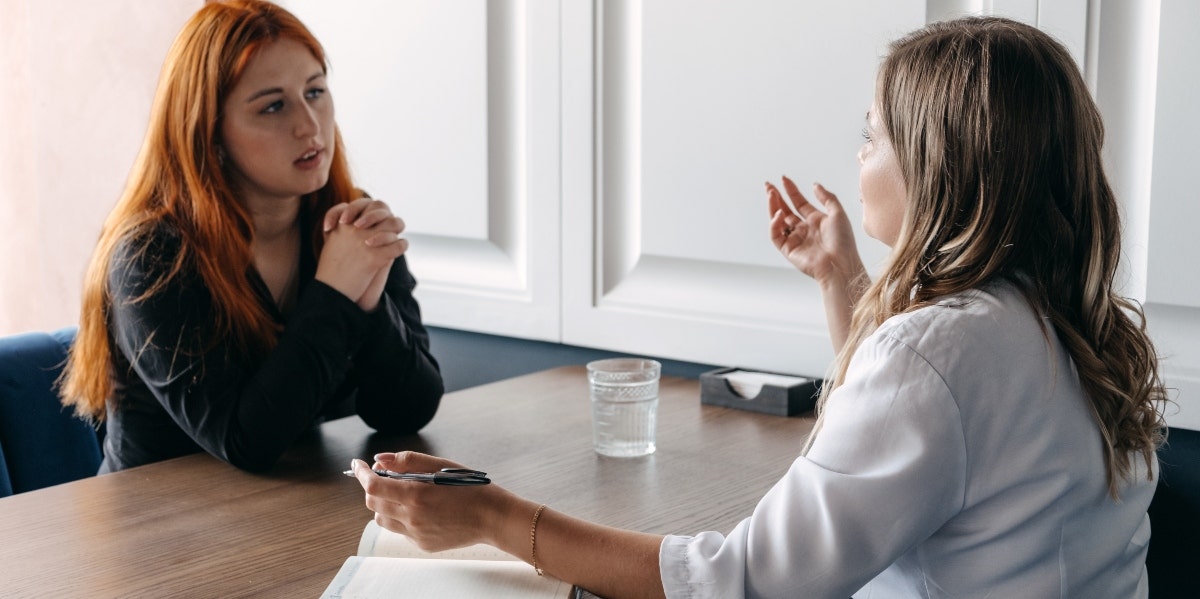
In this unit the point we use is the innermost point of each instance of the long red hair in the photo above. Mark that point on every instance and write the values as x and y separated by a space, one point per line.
179 180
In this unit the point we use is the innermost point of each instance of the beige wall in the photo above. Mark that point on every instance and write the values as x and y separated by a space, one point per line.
78 79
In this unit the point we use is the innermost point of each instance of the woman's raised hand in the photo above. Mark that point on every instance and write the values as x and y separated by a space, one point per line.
362 239
819 244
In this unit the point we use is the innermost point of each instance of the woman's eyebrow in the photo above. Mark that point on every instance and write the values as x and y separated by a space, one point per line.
264 92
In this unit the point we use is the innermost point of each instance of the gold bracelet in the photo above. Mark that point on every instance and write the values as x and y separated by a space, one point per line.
533 539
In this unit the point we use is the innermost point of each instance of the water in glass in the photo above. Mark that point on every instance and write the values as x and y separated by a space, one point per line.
624 408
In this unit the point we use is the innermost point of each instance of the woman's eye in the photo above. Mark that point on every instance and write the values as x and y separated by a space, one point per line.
866 134
314 93
275 106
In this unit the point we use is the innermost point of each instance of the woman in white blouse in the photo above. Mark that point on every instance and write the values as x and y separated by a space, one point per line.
990 422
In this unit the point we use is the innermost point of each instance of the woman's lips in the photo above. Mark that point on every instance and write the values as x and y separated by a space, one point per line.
311 159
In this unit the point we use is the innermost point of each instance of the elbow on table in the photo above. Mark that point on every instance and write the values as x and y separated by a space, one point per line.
254 464
257 460
414 412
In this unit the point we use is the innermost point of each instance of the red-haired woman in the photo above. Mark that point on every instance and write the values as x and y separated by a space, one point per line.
243 288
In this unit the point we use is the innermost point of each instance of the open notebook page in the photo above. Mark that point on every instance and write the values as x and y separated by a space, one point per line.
377 577
369 575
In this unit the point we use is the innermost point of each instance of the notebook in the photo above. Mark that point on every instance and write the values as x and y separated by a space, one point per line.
391 565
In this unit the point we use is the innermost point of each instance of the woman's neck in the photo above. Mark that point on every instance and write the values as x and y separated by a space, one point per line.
276 247
275 220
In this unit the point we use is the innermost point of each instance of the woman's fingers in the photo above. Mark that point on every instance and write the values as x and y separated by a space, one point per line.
789 228
393 245
803 207
350 211
373 214
362 472
380 229
384 231
828 199
775 201
368 214
362 210
412 461
371 483
391 524
332 216
780 228
783 220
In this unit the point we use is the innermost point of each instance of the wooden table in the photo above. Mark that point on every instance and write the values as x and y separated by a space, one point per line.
197 527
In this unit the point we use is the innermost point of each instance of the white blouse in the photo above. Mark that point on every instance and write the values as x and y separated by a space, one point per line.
959 459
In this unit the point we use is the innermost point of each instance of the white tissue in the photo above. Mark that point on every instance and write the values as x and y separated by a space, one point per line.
748 384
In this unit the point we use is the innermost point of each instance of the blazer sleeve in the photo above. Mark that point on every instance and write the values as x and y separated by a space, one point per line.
399 382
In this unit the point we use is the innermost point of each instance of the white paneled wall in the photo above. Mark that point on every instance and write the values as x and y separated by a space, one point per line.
450 112
1171 204
689 108
1175 211
591 172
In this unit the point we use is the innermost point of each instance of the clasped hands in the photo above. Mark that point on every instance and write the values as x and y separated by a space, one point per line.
362 239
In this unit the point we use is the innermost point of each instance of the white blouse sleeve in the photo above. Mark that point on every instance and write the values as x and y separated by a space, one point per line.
886 470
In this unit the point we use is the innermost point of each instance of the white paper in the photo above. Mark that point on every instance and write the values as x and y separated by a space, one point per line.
377 577
748 384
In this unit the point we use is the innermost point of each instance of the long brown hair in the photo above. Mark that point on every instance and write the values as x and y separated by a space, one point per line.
179 180
999 143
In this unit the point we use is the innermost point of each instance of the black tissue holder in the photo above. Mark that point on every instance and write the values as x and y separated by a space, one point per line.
771 399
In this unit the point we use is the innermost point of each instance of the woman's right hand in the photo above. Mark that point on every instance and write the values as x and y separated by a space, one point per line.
819 244
438 517
609 561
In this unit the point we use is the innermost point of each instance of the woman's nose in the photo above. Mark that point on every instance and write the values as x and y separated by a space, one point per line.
307 124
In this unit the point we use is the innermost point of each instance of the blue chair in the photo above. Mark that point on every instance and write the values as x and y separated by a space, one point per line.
42 443
1173 560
